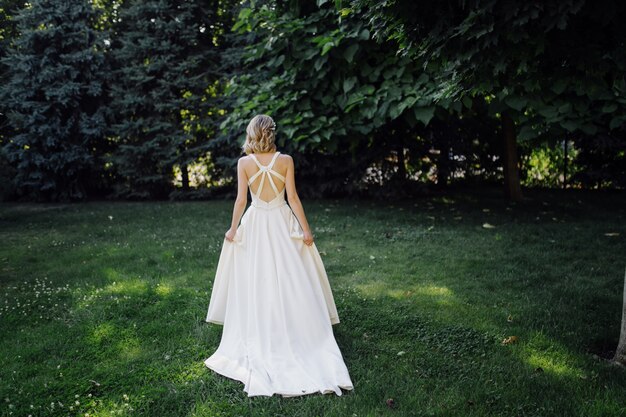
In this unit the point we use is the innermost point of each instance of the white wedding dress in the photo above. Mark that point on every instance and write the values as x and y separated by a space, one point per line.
272 295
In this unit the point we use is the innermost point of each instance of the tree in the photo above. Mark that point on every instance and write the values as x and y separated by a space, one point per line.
333 91
8 33
545 68
164 55
54 97
620 353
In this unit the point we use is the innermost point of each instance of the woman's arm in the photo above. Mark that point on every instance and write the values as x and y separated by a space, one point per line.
240 202
295 203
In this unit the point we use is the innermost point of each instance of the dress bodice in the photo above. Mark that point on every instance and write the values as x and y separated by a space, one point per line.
267 171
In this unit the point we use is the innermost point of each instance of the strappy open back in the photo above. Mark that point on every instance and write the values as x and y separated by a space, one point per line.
266 171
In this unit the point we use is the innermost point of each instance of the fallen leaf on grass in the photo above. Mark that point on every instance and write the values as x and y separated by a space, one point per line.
509 340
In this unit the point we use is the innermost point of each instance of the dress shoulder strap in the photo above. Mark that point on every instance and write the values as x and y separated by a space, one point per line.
256 161
271 164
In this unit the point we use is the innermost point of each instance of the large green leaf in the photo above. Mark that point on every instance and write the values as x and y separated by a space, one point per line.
609 107
327 47
348 54
424 114
570 125
617 122
348 84
516 102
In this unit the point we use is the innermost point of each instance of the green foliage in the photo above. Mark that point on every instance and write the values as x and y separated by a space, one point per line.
54 97
602 160
327 83
558 68
7 174
8 32
341 101
545 165
369 96
163 56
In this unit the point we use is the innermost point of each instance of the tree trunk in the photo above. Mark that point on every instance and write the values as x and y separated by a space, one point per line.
565 164
401 163
620 353
512 186
443 167
185 176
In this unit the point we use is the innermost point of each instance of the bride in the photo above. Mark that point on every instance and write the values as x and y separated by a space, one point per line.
271 292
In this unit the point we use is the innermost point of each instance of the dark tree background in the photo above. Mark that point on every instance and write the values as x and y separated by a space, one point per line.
55 101
150 99
164 61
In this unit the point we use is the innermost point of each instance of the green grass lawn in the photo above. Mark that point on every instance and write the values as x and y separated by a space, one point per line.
102 307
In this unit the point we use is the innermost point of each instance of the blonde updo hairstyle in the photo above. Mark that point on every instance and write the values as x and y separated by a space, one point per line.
260 135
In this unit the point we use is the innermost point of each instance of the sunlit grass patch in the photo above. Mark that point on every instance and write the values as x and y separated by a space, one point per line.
438 294
546 355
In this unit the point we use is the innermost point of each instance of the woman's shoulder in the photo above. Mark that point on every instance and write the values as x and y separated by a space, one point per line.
244 159
247 159
285 157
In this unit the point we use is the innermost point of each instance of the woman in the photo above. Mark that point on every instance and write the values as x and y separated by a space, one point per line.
271 292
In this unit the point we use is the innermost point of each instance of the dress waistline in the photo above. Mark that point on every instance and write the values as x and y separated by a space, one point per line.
268 206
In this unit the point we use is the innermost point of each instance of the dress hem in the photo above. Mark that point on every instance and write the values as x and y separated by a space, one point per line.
232 374
333 321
